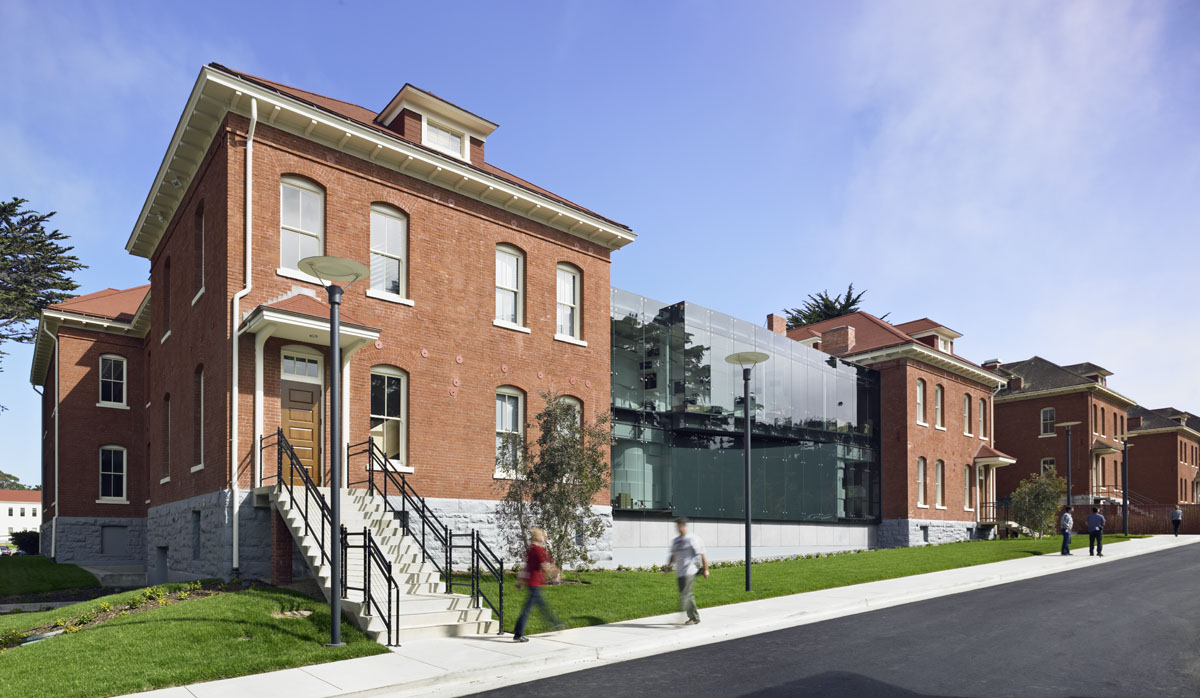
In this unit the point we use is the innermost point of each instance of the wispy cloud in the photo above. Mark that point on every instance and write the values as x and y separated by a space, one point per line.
1020 168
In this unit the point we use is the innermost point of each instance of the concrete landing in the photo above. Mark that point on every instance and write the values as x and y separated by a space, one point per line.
119 576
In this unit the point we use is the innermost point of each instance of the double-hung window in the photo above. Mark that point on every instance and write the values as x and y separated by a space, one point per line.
967 491
112 380
921 401
510 286
1047 421
389 412
510 409
921 501
939 411
966 414
112 474
568 302
1048 465
444 139
940 484
301 221
982 418
389 250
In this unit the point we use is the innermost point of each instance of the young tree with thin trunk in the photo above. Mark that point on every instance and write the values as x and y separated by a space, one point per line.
1037 501
554 481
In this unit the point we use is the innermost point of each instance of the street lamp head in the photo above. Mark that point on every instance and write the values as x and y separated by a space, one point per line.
1066 424
747 359
334 270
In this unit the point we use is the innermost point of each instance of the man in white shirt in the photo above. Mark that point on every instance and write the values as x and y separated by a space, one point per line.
688 558
1065 523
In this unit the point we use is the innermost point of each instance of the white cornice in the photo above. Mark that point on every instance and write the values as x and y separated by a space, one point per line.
927 355
52 320
217 93
1178 428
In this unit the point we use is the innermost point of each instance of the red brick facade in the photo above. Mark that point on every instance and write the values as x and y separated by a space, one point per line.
1163 466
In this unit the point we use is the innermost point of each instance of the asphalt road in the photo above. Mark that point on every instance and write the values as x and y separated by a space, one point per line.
1128 628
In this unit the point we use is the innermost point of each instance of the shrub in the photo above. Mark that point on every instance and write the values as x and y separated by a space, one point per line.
154 593
105 607
26 541
11 637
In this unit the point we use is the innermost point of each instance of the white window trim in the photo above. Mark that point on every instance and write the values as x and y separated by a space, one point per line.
164 337
922 483
939 485
165 480
510 326
300 183
395 372
197 296
967 414
520 395
520 288
464 139
1047 436
389 297
197 468
298 276
391 212
921 398
306 353
967 489
939 428
570 340
124 498
939 407
576 302
124 403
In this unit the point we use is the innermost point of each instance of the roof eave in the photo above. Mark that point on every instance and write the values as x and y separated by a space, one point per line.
930 356
225 92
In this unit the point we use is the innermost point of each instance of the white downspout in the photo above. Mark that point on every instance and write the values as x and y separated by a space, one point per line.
235 333
54 521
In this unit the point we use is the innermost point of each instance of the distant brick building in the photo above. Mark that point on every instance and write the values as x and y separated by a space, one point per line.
1038 395
485 291
1165 460
939 459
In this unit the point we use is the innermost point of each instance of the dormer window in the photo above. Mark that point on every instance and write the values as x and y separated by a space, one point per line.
441 138
944 344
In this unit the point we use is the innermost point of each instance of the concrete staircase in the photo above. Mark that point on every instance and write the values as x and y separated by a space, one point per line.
421 608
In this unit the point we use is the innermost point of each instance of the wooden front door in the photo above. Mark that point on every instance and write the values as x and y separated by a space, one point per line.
300 417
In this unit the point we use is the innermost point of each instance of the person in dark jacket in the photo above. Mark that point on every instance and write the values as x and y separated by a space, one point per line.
1095 524
1176 518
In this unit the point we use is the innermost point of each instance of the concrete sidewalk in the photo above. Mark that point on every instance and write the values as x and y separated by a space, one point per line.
460 666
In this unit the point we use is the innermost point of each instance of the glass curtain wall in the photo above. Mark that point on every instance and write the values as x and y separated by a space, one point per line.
677 420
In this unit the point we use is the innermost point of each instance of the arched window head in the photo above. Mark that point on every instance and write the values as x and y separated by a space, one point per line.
939 406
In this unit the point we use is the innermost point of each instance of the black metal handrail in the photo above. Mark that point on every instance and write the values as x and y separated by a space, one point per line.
373 559
314 503
384 479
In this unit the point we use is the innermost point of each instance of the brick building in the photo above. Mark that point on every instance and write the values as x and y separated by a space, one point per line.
485 291
1164 465
1040 394
938 455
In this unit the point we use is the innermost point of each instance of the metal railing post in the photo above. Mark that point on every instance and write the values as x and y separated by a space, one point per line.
367 569
449 560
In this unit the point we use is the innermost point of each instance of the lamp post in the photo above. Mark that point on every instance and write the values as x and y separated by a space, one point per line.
333 271
1068 426
1125 486
747 360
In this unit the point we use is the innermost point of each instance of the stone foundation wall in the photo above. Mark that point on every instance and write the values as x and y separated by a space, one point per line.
203 547
463 515
82 540
903 533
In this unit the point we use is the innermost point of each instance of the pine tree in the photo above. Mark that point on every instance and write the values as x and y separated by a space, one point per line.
35 270
822 306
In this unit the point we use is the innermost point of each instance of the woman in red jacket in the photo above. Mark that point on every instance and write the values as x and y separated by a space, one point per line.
538 568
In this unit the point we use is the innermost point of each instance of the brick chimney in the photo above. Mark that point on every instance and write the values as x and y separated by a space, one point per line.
991 364
1015 383
839 341
777 324
1135 422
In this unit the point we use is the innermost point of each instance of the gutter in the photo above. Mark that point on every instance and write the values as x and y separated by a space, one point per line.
235 333
54 521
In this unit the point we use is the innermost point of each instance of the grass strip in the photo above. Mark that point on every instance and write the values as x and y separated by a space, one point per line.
30 574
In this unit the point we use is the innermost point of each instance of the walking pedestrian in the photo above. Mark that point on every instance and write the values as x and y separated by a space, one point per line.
538 569
1065 523
1095 524
688 558
1176 519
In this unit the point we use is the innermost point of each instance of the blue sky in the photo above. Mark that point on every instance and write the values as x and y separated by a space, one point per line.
1023 172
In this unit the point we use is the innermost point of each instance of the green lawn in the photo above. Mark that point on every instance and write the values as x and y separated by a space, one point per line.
610 596
198 640
28 574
